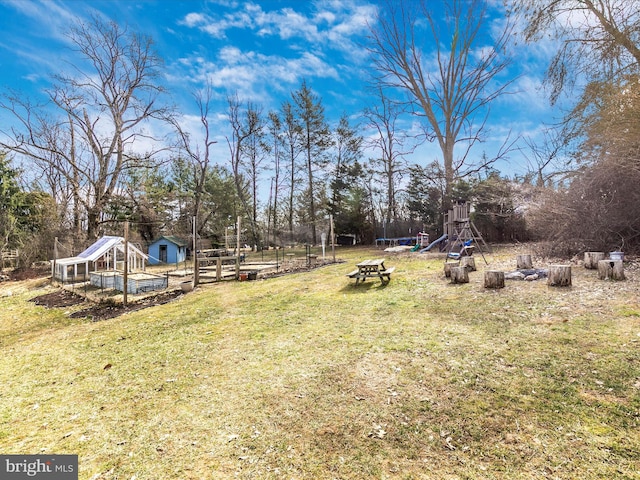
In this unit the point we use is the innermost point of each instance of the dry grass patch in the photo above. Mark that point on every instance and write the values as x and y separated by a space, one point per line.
307 376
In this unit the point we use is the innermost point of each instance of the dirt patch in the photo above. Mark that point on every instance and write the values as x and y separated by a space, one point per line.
102 310
58 299
107 310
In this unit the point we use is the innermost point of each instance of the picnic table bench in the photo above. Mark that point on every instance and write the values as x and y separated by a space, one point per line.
372 268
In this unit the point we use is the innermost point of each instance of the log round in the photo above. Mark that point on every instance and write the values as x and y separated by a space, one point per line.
611 270
591 259
447 268
459 275
493 279
524 262
559 276
469 263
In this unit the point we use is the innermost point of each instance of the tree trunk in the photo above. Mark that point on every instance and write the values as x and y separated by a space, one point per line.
312 203
559 276
459 275
611 270
591 259
93 221
524 262
493 279
469 263
447 268
447 154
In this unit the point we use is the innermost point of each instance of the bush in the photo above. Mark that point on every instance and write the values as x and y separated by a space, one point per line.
599 210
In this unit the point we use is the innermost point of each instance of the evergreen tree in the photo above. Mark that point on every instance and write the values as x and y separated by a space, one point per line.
346 168
425 193
316 141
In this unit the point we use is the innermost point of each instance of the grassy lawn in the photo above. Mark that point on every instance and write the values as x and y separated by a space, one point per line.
306 376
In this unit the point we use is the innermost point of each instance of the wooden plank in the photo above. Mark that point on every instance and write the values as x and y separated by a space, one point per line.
371 263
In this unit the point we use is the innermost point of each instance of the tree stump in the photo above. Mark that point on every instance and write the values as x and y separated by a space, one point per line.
591 259
493 279
448 266
469 263
459 275
559 276
524 262
611 270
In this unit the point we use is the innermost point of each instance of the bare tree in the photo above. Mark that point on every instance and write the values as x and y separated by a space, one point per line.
245 125
545 157
199 160
599 209
292 135
393 144
277 143
198 153
103 110
451 87
600 39
254 151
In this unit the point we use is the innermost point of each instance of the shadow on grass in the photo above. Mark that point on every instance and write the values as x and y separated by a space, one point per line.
363 286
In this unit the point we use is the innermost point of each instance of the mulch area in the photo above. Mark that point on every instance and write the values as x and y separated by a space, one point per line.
58 299
104 310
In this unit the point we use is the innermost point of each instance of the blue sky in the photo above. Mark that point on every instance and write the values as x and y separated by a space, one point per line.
261 49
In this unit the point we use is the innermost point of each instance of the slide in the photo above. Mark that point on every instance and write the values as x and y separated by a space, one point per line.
434 243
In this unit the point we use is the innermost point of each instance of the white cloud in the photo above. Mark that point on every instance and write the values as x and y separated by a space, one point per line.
232 55
256 76
325 17
193 20
290 23
332 25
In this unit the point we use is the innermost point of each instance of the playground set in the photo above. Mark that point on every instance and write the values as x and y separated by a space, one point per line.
460 238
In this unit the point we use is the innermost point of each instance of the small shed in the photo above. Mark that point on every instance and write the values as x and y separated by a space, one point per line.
167 249
107 253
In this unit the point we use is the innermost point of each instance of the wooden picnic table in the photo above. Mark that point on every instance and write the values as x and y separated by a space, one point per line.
372 268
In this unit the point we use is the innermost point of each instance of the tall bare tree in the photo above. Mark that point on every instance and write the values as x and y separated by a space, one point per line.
246 124
254 151
393 144
292 134
198 152
449 70
103 106
276 146
199 156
